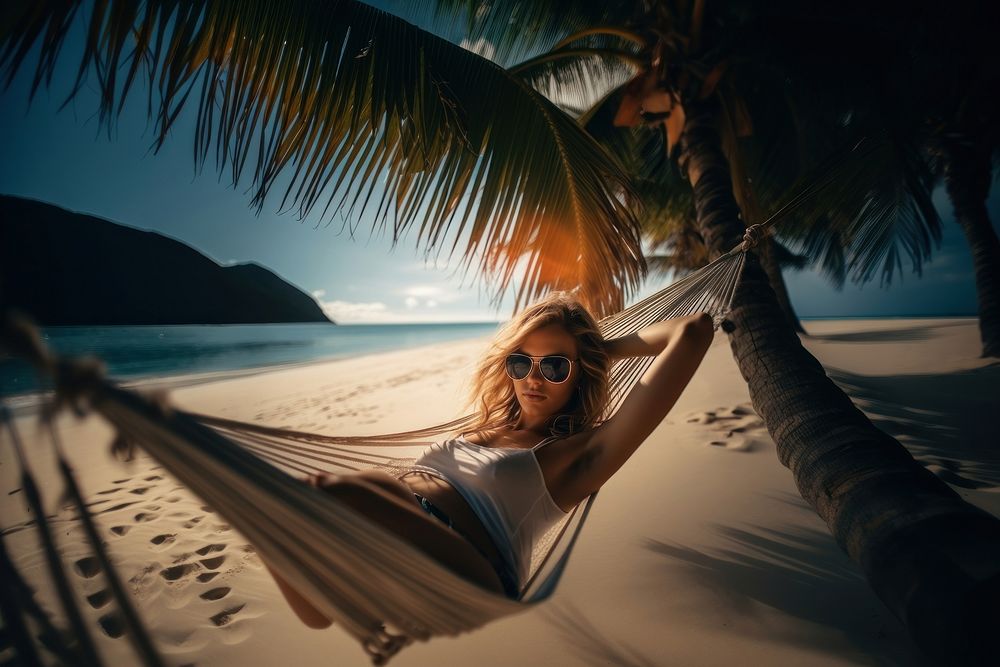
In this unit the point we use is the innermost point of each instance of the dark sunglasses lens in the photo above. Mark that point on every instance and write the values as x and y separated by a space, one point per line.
555 369
518 366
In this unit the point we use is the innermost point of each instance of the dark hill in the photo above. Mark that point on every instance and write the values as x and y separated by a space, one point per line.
68 268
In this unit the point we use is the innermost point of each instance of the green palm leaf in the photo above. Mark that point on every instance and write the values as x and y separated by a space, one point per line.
875 211
367 114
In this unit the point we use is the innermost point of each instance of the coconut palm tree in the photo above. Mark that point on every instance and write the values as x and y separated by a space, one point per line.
771 146
345 92
667 215
959 76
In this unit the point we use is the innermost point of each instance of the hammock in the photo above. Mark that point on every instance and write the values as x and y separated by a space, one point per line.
378 587
375 585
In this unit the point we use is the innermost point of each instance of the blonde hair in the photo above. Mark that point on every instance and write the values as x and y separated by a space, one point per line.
492 392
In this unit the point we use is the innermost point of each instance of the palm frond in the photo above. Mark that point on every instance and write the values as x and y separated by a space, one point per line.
515 28
880 206
873 201
898 218
786 258
355 106
576 78
826 241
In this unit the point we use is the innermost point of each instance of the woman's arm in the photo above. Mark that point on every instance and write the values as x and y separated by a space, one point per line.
679 346
648 341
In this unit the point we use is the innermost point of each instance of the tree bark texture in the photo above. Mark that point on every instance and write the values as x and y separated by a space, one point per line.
967 179
932 558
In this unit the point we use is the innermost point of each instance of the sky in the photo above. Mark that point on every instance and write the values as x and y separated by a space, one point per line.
65 158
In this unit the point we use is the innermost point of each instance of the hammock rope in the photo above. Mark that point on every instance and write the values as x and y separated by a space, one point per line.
377 586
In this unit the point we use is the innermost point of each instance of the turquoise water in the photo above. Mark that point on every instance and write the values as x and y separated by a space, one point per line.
132 352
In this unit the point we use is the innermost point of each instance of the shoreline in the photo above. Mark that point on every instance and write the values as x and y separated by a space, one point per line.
24 403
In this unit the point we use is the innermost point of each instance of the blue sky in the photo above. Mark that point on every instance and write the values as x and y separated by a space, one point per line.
64 158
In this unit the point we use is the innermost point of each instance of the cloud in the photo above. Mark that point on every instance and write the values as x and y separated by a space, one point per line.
430 294
412 302
377 312
319 293
346 312
422 290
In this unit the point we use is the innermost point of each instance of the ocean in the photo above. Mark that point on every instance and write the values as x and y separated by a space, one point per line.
140 352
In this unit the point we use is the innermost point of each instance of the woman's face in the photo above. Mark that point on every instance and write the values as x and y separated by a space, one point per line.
538 397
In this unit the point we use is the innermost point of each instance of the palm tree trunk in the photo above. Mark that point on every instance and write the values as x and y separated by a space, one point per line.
773 270
967 180
932 558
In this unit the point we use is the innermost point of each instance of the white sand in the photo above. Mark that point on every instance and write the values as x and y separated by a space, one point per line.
699 552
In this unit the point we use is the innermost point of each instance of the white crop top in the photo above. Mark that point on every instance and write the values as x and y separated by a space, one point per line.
505 488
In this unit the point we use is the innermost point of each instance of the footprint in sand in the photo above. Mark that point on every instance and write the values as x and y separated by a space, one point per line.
210 548
120 530
99 599
112 625
177 571
213 563
215 593
737 429
87 567
143 517
226 616
206 577
164 539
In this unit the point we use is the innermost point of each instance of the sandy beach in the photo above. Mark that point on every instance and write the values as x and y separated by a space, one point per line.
699 551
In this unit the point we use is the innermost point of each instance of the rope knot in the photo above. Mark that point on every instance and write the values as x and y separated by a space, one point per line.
751 237
382 645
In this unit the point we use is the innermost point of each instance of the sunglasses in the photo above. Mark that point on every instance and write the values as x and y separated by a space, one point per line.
553 368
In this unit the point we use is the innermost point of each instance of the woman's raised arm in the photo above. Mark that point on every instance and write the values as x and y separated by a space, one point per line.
679 346
648 341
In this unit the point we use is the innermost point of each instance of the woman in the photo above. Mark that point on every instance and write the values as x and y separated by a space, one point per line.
539 446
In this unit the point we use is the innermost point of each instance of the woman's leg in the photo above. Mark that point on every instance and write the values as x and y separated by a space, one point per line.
390 502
